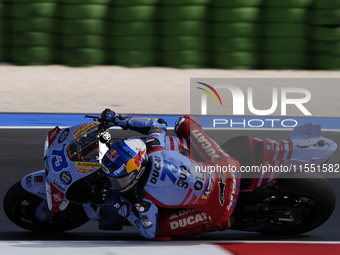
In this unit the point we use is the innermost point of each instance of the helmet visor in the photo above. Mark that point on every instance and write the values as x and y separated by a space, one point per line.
119 183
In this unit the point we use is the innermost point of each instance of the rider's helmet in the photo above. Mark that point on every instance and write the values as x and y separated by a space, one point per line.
124 163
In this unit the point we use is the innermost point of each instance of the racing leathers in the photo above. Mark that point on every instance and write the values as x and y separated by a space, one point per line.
180 195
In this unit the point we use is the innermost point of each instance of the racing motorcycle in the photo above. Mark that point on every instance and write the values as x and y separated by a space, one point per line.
67 193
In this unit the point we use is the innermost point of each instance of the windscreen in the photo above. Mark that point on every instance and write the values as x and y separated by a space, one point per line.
85 147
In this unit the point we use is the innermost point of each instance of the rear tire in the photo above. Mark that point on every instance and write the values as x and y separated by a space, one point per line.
20 207
318 203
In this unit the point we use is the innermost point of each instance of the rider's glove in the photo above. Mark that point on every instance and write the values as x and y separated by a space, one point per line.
113 199
109 116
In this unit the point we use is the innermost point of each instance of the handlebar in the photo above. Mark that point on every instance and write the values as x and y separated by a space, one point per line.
95 118
103 123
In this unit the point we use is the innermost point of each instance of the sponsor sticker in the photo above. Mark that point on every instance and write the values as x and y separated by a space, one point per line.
140 208
105 169
207 189
268 147
119 170
157 131
146 224
189 221
84 128
38 178
88 164
85 170
80 128
59 186
66 177
112 155
29 181
63 135
57 197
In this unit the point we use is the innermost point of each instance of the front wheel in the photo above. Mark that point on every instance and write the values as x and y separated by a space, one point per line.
24 209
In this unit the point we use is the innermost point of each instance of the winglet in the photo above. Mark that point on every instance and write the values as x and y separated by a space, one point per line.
306 131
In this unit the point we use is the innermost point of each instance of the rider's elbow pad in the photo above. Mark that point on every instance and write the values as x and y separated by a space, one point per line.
162 121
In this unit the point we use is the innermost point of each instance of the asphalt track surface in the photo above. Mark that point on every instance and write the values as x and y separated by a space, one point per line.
21 152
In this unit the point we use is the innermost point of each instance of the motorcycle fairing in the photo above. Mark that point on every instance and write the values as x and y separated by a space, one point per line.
35 183
299 149
62 169
305 146
306 131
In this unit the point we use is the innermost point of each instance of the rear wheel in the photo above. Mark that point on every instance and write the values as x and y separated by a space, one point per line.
300 204
22 208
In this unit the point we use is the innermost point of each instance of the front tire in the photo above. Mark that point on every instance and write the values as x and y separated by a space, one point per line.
20 207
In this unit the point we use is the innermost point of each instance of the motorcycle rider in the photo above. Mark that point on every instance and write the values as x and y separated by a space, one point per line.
163 178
